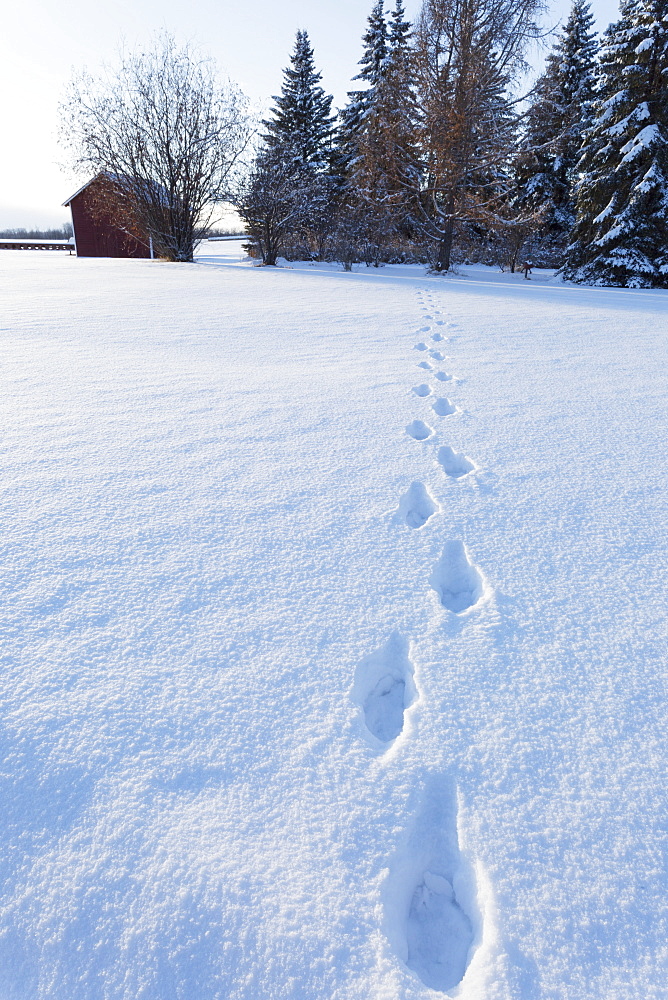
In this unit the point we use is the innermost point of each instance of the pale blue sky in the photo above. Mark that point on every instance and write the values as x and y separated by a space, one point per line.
42 40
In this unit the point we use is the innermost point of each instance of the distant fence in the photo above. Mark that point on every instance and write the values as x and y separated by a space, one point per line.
37 245
17 244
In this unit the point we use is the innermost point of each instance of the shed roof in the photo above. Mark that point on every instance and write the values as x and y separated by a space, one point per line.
79 190
159 189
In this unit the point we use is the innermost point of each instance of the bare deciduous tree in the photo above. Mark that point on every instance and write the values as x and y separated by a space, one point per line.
167 133
468 52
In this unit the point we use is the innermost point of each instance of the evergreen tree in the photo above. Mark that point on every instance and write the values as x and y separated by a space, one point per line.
557 117
375 46
360 102
287 197
399 32
302 118
395 105
384 172
622 197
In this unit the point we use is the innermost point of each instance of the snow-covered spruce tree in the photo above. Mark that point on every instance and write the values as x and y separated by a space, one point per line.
620 237
384 174
559 111
468 54
372 64
302 117
286 200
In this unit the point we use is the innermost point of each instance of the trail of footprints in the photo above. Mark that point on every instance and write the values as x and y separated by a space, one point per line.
439 910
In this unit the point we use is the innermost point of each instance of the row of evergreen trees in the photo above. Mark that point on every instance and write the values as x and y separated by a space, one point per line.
436 158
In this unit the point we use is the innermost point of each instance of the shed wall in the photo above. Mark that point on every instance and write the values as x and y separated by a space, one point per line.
95 232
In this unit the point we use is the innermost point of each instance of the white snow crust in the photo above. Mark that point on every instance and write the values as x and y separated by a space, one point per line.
297 705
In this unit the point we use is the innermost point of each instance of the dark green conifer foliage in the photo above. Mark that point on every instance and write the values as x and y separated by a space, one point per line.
556 120
622 197
375 48
384 174
373 61
387 134
302 119
399 30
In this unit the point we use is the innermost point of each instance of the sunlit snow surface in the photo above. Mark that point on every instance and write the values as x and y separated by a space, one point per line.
298 705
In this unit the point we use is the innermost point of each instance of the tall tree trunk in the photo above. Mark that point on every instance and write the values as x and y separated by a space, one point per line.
445 246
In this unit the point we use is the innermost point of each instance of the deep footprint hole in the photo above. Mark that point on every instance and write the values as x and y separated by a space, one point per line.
454 463
422 390
385 688
416 506
419 431
457 581
439 934
444 407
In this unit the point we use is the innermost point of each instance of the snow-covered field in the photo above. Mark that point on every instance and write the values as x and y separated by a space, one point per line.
333 634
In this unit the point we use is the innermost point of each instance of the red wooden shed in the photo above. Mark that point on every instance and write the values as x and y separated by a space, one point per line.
99 230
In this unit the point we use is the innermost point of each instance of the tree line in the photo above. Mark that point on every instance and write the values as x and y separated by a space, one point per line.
64 232
438 158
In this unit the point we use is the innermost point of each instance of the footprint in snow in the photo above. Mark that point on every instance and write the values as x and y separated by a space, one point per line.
424 329
437 356
422 390
419 430
437 337
426 366
416 506
453 463
442 912
439 934
443 407
421 347
384 688
427 316
458 583
443 376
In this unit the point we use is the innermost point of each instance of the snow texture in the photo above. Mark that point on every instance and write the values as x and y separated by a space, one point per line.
246 750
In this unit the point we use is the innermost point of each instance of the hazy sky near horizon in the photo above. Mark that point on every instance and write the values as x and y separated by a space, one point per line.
43 41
